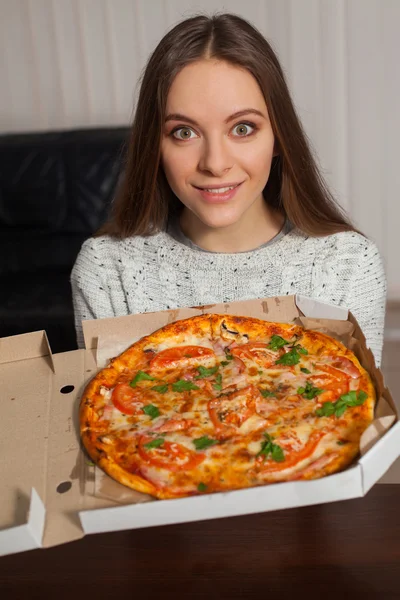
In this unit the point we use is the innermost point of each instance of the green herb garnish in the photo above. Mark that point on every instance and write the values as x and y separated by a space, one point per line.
156 443
202 487
269 448
151 410
141 376
309 392
204 442
304 370
289 358
345 401
277 342
218 382
224 363
204 372
162 389
299 348
267 393
183 386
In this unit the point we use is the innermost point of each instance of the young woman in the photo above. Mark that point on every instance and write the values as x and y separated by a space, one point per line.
221 198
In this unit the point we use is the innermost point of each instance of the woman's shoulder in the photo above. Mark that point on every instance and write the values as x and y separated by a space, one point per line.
111 249
347 245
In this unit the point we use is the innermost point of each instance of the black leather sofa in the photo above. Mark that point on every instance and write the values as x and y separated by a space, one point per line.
55 191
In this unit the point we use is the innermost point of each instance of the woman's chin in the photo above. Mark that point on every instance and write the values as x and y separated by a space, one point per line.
218 221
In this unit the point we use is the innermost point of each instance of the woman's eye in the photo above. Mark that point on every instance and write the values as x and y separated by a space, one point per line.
182 133
243 129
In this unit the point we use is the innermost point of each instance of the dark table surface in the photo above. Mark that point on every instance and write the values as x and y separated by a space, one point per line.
345 549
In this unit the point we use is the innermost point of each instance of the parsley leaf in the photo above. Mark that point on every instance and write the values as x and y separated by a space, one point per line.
277 342
304 370
202 487
141 376
277 453
267 393
309 392
289 358
182 386
345 401
151 410
301 349
218 382
204 442
156 443
224 363
268 447
204 372
162 389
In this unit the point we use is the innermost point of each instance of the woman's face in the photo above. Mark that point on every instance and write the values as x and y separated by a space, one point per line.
204 145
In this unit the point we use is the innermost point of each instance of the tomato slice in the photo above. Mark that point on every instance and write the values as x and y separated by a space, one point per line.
179 356
344 364
292 457
333 372
175 425
128 400
230 411
333 381
256 351
169 455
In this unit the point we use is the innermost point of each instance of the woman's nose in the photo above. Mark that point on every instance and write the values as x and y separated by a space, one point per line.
215 157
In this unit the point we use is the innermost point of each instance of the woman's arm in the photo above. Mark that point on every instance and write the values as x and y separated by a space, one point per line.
349 272
366 297
90 291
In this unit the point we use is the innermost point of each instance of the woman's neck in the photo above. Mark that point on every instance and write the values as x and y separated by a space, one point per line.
251 232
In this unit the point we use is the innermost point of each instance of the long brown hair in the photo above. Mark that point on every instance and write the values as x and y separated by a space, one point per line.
144 200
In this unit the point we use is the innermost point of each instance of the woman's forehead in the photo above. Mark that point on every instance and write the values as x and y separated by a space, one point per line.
210 88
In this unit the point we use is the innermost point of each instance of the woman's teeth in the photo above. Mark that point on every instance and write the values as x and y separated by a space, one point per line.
220 190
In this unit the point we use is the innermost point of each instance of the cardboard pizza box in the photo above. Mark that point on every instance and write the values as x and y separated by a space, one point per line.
51 493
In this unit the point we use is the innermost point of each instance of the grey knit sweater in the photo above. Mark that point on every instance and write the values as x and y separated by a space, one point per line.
143 274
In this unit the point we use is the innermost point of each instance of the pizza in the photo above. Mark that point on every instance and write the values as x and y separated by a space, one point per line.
221 402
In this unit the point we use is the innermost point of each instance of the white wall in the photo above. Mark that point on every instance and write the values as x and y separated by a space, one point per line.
75 63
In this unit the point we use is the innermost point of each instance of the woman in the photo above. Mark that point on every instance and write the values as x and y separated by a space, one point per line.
221 198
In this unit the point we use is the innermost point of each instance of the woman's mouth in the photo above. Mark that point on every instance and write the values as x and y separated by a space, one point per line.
219 194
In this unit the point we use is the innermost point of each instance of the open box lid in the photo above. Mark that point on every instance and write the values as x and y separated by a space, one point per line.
40 435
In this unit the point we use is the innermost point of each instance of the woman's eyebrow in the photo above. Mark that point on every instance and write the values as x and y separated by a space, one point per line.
239 113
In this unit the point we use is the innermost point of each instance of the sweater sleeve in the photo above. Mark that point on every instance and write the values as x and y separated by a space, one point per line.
366 297
90 296
351 273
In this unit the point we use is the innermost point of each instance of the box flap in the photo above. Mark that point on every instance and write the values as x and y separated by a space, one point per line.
24 417
279 309
341 486
27 536
64 489
320 310
378 459
25 346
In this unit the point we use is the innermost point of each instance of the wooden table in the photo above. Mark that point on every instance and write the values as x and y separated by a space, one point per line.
343 550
